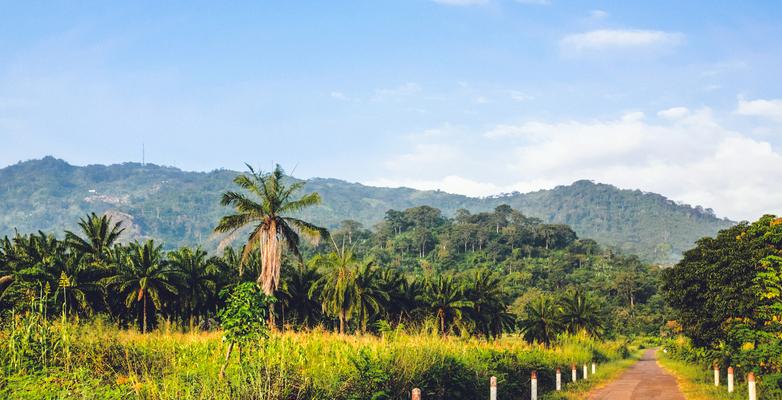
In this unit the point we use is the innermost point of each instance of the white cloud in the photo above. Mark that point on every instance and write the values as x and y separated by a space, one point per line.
674 113
771 109
685 154
606 39
462 2
598 14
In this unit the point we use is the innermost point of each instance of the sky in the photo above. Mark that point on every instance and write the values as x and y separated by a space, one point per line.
477 97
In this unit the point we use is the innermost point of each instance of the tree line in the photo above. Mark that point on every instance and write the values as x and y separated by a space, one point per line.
478 274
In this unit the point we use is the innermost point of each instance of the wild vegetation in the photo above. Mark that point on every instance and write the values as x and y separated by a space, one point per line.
726 296
435 302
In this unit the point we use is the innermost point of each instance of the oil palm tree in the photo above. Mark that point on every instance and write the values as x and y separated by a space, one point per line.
294 294
370 295
337 287
143 275
100 234
267 205
486 291
541 322
445 299
580 312
77 284
196 280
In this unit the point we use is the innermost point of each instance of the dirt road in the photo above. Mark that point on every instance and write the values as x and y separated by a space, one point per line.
643 381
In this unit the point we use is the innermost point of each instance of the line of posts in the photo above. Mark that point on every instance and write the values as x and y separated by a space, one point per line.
416 394
751 389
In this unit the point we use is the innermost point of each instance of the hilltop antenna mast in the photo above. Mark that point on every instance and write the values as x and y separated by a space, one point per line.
143 155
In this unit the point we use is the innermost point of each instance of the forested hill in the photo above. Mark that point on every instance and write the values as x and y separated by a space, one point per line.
182 207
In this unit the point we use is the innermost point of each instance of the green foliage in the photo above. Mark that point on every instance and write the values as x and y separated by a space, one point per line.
725 297
111 363
180 208
243 319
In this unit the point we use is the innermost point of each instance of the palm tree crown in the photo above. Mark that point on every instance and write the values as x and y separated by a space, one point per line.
267 205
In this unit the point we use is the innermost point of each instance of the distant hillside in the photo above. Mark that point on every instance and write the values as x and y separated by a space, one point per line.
182 207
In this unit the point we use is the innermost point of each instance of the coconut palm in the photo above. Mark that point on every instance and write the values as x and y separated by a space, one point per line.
197 280
541 322
579 312
143 275
99 235
445 299
267 205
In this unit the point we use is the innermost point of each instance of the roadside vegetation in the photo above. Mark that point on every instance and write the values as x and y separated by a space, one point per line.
726 296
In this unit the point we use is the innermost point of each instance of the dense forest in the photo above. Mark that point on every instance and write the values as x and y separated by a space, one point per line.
178 208
476 273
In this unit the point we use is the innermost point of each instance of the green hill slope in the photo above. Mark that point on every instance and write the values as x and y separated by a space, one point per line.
182 207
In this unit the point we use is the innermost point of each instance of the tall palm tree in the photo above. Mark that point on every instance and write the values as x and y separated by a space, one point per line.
267 205
541 322
143 275
99 235
197 280
443 297
579 312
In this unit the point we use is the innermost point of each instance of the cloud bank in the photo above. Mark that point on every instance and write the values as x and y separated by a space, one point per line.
687 155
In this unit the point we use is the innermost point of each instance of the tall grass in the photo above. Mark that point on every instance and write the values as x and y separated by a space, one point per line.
44 359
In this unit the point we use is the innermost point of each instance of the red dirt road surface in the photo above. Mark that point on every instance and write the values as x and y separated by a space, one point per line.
643 381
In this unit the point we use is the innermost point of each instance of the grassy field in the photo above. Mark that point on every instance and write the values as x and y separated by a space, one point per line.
98 361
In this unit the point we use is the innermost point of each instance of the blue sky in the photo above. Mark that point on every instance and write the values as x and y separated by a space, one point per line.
469 96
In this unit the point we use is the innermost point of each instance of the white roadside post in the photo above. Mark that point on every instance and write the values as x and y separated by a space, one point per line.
534 386
594 368
716 375
573 373
416 394
559 379
751 386
585 372
730 379
493 388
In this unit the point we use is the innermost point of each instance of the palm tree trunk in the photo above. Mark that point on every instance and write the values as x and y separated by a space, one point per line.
144 327
442 323
342 322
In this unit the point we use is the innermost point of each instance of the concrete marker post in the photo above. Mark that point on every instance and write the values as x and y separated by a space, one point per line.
716 375
534 386
594 368
559 379
751 386
416 394
573 374
493 388
730 379
585 372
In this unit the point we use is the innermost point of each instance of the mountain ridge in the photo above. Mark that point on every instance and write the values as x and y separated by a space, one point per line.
181 207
